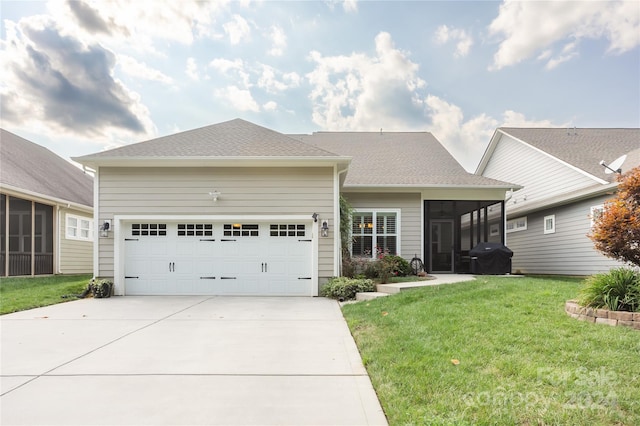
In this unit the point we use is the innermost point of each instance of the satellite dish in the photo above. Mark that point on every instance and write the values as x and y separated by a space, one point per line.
615 165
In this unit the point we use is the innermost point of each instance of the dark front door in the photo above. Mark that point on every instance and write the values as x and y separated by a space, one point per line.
442 248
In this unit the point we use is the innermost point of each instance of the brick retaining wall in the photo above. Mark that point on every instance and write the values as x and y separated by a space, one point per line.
602 316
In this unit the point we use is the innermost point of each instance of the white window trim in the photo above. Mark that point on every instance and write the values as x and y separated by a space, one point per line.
78 237
375 211
551 230
515 223
599 208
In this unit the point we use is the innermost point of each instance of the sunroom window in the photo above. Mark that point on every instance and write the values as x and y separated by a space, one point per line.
374 233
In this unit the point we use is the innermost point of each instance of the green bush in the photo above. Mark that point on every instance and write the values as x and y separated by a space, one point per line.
617 290
343 288
401 267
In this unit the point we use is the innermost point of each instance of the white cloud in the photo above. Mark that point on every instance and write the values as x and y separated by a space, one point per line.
463 39
350 5
134 68
527 27
238 30
270 106
269 81
240 99
357 92
234 69
279 40
57 81
146 21
192 69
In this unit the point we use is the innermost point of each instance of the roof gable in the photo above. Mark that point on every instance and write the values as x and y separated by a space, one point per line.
28 166
582 148
231 139
397 158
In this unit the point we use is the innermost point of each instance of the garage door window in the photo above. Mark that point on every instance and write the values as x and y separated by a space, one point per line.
149 229
288 230
240 230
195 230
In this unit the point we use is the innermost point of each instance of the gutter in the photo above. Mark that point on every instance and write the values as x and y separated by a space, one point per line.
565 199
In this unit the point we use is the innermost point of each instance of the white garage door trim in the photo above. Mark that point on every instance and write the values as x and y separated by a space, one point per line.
119 232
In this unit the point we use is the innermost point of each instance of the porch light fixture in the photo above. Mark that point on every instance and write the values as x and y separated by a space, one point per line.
324 230
104 228
315 217
215 194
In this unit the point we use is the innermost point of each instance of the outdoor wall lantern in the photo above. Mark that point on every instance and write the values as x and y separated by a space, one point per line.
324 230
104 228
215 194
315 217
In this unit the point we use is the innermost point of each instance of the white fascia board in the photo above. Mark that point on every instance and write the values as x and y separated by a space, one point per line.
564 163
488 152
276 161
561 200
46 199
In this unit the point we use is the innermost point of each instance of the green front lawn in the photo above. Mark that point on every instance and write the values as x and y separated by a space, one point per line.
20 293
520 359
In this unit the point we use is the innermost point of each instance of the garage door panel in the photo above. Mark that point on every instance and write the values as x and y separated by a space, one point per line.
219 259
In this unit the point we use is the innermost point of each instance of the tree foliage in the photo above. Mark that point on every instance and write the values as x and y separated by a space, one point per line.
616 232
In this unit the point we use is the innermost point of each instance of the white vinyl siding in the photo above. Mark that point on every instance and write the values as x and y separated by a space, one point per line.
75 256
568 251
244 191
408 206
541 176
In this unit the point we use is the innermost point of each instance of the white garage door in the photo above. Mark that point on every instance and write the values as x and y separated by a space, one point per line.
218 258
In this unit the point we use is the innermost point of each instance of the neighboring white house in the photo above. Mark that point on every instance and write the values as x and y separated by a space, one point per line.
46 211
564 186
238 209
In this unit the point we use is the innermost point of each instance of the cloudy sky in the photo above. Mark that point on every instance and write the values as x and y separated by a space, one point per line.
82 76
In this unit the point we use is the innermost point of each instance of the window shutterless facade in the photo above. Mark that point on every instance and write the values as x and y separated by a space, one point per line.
518 224
79 228
375 232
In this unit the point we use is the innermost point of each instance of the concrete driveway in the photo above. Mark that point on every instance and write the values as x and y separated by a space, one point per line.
186 360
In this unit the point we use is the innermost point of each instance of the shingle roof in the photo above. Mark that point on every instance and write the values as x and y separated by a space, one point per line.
235 138
397 158
31 167
583 148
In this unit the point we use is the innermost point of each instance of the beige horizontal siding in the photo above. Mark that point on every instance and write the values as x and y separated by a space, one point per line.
244 191
410 216
76 257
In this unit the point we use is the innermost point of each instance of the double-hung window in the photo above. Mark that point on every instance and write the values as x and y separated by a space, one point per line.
375 232
79 228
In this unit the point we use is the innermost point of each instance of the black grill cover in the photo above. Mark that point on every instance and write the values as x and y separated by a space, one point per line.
490 259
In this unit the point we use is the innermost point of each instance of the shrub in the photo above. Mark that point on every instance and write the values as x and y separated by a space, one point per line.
617 290
343 288
616 231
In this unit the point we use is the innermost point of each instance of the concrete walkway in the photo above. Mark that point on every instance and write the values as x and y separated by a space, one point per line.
187 360
394 288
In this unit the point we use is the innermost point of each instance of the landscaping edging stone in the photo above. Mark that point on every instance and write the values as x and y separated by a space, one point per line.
602 316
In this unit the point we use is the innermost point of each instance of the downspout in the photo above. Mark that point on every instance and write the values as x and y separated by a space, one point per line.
508 196
96 224
58 244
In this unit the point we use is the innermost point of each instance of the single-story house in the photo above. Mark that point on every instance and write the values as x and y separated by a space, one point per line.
238 209
46 211
564 185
